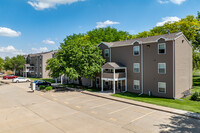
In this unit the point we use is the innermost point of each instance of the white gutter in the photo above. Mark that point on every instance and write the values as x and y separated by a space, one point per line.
142 70
174 69
110 55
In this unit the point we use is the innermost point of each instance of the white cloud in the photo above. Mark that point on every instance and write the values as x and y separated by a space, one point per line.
48 41
9 32
41 49
45 4
167 19
106 23
10 51
178 2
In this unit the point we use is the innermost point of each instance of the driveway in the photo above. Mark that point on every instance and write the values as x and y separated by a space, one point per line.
22 111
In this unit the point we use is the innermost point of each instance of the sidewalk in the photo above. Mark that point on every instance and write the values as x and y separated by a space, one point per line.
145 105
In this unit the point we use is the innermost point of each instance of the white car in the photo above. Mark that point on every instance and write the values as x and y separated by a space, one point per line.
21 79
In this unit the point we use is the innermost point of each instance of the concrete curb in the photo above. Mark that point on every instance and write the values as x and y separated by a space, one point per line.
147 105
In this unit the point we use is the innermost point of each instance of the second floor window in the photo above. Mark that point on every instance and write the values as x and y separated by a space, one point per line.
136 50
106 53
161 48
136 67
162 68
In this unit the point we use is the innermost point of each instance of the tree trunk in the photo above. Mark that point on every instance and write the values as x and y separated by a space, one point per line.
80 81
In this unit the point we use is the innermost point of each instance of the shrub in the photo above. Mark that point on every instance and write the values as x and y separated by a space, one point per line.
195 96
48 88
42 87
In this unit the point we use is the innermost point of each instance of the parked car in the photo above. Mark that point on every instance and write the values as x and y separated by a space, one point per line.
40 82
9 77
1 73
21 79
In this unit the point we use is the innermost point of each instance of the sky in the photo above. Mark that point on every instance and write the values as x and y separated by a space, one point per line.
32 26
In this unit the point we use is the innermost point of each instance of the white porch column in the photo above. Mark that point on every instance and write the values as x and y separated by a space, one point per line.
102 79
117 84
126 79
114 81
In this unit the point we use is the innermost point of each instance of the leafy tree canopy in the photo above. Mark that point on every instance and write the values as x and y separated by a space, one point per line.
189 26
1 64
76 58
14 63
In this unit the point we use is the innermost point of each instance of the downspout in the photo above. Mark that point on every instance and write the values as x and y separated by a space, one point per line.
110 55
173 69
142 70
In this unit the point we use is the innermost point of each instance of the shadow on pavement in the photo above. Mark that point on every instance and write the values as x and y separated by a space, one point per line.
180 124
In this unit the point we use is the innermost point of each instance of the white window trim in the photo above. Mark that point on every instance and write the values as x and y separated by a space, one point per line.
134 84
165 87
165 48
133 67
105 52
165 68
134 52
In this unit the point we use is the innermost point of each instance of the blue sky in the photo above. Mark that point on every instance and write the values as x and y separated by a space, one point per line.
29 26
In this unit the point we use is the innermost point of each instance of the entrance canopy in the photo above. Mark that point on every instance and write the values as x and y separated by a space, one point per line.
113 65
115 72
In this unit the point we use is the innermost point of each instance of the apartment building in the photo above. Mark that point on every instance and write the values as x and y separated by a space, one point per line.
36 64
158 65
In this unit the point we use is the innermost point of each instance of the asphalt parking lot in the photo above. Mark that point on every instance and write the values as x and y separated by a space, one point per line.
22 111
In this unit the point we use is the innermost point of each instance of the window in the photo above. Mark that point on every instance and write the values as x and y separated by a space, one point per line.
161 87
136 67
136 50
162 48
136 85
162 68
106 53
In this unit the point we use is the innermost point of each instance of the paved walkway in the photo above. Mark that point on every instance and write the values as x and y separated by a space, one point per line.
22 111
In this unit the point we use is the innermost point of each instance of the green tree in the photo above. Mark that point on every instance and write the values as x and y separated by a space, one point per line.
1 64
107 34
14 63
189 26
196 60
76 58
7 64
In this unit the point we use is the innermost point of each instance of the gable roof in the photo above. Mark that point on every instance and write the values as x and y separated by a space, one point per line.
112 65
42 53
167 37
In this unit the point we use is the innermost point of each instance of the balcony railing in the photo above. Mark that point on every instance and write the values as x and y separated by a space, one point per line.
111 75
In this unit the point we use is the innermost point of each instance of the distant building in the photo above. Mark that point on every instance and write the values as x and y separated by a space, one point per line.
36 64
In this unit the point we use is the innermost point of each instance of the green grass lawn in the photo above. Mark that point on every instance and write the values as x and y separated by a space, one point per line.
47 80
183 104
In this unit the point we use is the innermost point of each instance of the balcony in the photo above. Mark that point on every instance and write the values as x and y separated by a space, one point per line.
111 75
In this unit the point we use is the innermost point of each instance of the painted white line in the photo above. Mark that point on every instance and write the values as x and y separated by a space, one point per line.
101 105
113 119
78 107
120 110
55 99
143 116
89 101
66 102
93 112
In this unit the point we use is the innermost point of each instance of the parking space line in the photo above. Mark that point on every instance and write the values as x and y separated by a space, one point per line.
143 116
89 101
93 112
78 107
120 110
113 119
101 105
